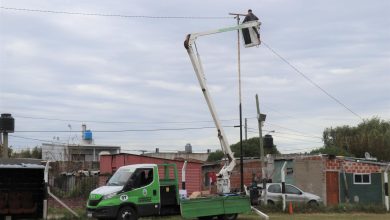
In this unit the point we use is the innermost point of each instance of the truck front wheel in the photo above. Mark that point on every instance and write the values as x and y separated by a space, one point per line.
127 213
228 217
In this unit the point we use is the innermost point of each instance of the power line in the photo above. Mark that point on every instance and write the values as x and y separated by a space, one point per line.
290 129
118 122
126 130
114 15
311 81
36 139
278 132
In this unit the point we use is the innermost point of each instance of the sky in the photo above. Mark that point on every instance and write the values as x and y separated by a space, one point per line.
129 79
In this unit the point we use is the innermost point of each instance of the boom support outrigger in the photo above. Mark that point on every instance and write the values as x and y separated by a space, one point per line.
223 177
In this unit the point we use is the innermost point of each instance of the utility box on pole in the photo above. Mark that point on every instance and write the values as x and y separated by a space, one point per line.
7 125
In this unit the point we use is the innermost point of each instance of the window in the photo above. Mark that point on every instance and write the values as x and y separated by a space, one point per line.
362 178
292 190
274 188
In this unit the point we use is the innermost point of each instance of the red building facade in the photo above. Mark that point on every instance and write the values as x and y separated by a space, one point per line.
110 163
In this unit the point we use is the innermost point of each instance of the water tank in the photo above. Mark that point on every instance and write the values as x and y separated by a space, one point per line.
87 135
188 148
268 141
7 123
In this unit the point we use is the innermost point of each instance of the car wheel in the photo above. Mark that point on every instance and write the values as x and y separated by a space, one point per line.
270 202
313 203
228 217
127 213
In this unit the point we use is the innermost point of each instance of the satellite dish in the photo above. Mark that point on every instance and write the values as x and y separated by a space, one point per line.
367 155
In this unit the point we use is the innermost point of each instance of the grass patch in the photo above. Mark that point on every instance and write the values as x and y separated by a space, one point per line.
341 208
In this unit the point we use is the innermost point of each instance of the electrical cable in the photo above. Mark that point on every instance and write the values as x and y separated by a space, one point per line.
126 130
36 139
278 132
114 15
311 81
117 122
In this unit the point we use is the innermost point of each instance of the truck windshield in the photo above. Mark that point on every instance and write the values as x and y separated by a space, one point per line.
120 178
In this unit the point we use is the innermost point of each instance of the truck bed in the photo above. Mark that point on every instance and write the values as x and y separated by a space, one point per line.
215 206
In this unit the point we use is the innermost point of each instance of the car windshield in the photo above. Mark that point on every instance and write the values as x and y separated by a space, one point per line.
120 177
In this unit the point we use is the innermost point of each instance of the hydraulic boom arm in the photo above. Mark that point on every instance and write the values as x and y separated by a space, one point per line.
223 177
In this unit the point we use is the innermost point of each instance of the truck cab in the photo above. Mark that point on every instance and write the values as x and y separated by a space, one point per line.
137 191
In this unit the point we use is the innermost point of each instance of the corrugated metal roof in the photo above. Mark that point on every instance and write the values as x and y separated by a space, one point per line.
21 164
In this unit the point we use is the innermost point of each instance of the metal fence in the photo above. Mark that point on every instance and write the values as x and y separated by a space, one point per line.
73 186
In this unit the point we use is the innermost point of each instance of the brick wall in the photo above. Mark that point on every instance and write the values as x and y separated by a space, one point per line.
352 167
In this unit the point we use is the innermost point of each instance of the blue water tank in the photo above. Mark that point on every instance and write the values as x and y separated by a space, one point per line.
88 135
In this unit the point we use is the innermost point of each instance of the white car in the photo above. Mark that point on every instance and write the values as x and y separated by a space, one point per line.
293 194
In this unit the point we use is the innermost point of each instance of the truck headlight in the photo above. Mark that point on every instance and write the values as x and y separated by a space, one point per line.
109 196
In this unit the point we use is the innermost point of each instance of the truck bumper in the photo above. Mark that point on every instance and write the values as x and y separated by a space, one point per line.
106 212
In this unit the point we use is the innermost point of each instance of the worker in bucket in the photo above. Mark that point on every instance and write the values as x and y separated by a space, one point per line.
252 17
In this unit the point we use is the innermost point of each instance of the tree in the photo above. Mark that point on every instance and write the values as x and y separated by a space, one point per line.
36 152
371 135
250 147
215 156
331 150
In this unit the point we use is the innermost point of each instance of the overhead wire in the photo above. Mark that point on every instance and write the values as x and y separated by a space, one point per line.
311 81
114 15
118 122
125 130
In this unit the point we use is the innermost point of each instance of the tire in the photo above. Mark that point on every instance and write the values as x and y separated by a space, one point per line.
127 213
206 217
313 203
228 217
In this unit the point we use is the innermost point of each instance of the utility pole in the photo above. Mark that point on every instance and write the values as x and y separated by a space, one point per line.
263 170
239 97
246 129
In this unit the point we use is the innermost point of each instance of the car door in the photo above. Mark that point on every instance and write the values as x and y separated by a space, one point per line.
274 192
293 194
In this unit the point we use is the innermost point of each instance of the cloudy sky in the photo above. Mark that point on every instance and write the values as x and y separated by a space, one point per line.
131 81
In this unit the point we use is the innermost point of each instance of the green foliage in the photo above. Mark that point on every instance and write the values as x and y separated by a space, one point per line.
340 208
331 150
36 152
371 135
251 148
215 156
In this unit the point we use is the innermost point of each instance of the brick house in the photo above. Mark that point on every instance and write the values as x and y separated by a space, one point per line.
341 179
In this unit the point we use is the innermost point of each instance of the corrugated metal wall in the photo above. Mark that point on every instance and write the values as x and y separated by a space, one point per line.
110 163
364 193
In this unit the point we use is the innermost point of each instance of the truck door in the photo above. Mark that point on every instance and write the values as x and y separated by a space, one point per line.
145 185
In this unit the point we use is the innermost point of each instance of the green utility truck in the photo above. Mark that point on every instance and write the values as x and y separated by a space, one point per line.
151 190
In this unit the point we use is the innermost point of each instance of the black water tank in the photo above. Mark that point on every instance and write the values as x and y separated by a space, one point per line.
7 123
268 141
